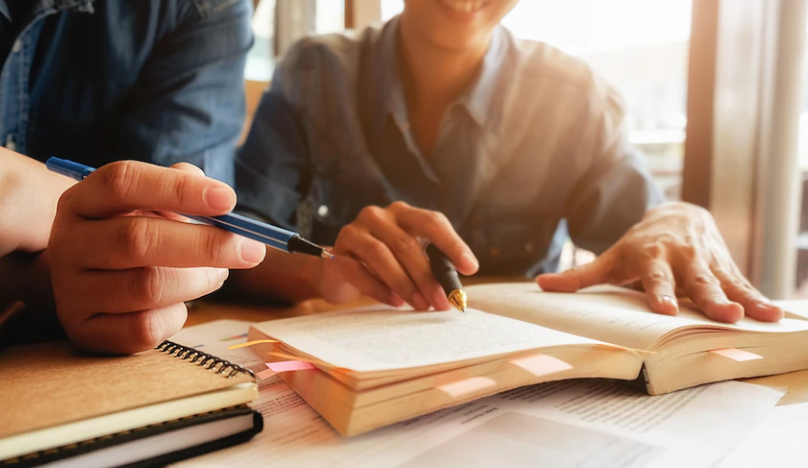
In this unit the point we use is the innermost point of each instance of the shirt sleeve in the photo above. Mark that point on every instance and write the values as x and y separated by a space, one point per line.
273 168
615 190
188 104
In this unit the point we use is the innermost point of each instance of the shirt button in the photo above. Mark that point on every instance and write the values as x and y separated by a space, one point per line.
10 145
529 247
17 46
322 211
493 252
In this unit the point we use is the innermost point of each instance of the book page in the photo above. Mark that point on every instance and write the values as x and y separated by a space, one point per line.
605 313
294 435
382 338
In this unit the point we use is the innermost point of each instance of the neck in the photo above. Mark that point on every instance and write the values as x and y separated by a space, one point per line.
431 74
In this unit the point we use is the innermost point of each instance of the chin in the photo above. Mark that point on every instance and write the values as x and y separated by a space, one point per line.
457 25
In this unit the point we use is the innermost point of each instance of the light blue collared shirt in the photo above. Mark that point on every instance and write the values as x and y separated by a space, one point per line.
535 151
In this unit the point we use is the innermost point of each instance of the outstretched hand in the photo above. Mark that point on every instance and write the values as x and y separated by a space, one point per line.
676 247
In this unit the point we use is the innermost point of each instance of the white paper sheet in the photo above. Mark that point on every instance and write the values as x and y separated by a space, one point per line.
588 423
356 338
778 441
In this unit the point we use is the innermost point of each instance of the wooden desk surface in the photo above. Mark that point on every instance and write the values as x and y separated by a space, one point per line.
202 312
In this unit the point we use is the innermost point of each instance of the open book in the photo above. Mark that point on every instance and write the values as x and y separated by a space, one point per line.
378 365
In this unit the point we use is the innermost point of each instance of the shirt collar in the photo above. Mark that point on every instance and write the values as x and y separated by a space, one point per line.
483 100
479 100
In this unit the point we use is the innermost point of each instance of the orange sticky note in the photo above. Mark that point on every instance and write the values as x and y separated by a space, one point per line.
287 366
736 354
465 386
541 364
265 374
250 343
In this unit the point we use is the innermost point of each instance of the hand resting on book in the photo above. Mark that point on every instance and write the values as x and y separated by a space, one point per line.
675 248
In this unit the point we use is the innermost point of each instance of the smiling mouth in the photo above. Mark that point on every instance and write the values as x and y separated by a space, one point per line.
464 6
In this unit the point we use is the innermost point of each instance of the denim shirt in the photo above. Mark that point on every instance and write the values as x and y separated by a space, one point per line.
535 151
101 80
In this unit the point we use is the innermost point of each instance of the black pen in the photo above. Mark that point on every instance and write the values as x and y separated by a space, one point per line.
447 276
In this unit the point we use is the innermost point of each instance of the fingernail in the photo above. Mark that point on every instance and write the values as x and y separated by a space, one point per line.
251 252
223 274
469 258
671 301
420 301
396 301
219 198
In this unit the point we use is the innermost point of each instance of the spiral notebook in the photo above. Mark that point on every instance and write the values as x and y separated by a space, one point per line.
57 403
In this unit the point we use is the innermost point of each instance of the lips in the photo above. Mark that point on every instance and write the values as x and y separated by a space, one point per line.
464 6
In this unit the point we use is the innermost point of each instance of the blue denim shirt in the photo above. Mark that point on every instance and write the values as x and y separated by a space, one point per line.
101 80
534 151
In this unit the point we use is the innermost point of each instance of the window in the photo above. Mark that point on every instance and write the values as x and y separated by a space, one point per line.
296 18
802 239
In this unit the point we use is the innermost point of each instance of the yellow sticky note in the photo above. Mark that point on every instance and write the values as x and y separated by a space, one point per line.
736 354
541 364
250 343
466 386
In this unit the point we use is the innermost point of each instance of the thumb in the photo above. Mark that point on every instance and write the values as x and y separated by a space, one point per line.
596 272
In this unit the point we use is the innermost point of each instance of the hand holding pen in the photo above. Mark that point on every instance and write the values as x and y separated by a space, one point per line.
121 273
380 255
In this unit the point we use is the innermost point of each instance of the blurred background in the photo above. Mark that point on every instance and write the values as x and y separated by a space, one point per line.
715 91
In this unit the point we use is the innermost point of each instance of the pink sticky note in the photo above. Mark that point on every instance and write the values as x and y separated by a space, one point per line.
465 386
265 374
287 366
736 354
541 364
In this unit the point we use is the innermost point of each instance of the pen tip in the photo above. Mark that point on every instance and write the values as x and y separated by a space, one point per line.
327 255
458 299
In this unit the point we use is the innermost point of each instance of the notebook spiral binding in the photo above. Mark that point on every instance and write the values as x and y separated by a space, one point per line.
201 359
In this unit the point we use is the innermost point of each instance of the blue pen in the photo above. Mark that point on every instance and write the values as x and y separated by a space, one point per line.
272 236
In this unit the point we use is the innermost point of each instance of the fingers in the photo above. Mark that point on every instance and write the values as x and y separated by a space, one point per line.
188 167
755 305
596 272
435 227
129 333
410 254
381 261
92 292
705 291
125 186
134 241
345 278
660 287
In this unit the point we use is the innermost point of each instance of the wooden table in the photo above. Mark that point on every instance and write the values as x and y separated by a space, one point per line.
201 312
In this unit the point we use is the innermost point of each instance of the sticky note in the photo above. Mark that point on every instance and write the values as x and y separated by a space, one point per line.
250 343
287 366
265 374
736 354
465 386
541 364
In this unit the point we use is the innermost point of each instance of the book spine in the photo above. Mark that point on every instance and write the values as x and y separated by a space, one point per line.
204 360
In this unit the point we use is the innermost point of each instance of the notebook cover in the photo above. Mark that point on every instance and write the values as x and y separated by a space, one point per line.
52 384
72 450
